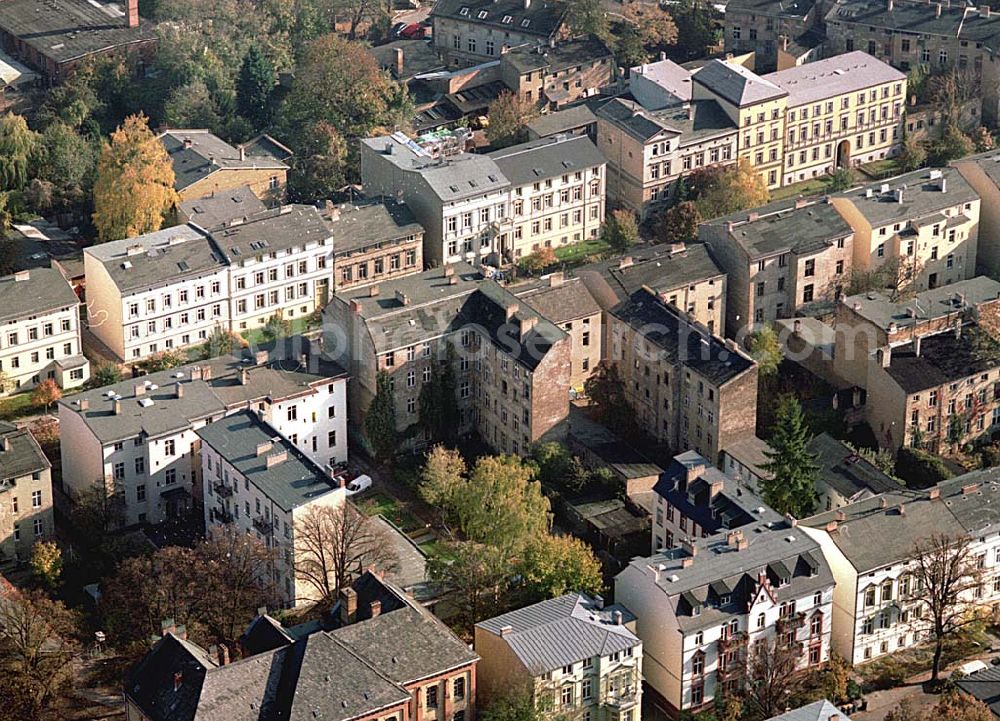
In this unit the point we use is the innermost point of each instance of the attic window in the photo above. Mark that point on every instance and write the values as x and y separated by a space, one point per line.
453 188
482 14
472 183
525 22
538 172
184 266
507 19
696 610
463 11
493 178
126 265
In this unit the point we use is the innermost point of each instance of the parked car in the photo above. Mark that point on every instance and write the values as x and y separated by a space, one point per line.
397 29
359 484
413 31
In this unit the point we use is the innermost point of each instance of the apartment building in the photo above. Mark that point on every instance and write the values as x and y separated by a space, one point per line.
389 659
264 486
660 84
467 32
779 258
982 172
461 199
929 370
280 263
694 499
875 609
762 27
205 164
25 494
556 76
684 275
840 112
927 221
907 33
40 331
745 459
688 389
139 439
220 208
511 366
161 291
568 304
756 106
648 150
580 657
557 190
704 606
374 242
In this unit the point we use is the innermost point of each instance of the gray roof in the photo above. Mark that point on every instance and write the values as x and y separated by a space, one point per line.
749 451
968 504
361 227
563 121
293 482
285 228
434 307
916 17
151 683
208 153
418 57
823 79
845 471
922 196
781 8
565 55
682 341
546 158
65 30
222 207
781 227
563 631
697 122
454 178
668 75
158 258
942 359
735 83
773 548
542 17
560 302
927 305
43 290
24 457
662 268
983 685
989 162
202 399
817 711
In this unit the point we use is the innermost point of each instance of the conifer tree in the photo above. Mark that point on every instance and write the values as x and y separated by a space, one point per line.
792 489
253 88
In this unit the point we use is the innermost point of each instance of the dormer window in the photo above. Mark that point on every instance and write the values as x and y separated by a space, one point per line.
526 22
482 14
464 12
507 19
696 610
724 599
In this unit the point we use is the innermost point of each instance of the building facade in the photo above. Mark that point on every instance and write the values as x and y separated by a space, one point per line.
762 27
40 331
374 242
556 76
468 32
25 495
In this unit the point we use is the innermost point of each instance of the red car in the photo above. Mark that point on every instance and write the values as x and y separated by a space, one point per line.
413 31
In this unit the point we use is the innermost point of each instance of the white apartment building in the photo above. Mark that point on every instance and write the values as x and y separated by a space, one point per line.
702 607
870 547
158 292
40 331
581 658
25 494
256 479
491 208
280 263
139 437
557 194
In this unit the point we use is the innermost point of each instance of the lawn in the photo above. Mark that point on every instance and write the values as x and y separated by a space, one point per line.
436 549
881 168
377 503
578 252
16 406
296 326
814 186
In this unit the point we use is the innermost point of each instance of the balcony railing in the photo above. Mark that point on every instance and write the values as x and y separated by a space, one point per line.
732 640
793 621
264 526
622 698
221 515
223 491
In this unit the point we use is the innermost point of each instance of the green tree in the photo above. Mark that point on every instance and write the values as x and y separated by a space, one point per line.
792 488
442 477
320 166
551 566
17 147
957 706
630 50
46 393
192 105
438 401
679 224
765 348
841 179
696 29
135 183
920 469
254 86
536 262
221 342
606 391
588 17
983 140
380 420
509 115
952 145
912 155
724 190
554 461
478 576
501 504
515 703
47 564
66 159
620 230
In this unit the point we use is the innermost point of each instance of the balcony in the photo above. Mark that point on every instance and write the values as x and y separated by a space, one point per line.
223 491
622 699
733 641
263 526
792 622
221 515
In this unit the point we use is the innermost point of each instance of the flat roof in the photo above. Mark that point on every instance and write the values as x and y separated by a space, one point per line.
951 299
289 227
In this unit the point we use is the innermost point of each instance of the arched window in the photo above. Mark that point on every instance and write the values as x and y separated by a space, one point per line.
761 620
698 664
816 624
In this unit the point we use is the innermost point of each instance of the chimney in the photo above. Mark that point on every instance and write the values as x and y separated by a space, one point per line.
376 608
188 143
6 444
402 298
934 494
688 545
244 376
883 502
167 625
690 111
348 605
355 307
784 39
801 203
132 13
223 654
275 459
625 262
373 291
196 373
693 472
792 521
84 404
140 389
944 185
398 56
831 526
510 310
178 675
885 356
179 389
449 271
751 217
902 509
527 324
134 250
598 601
687 562
206 373
118 407
506 631
264 447
716 488
969 489
617 616
984 10
840 516
22 275
556 279
733 538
